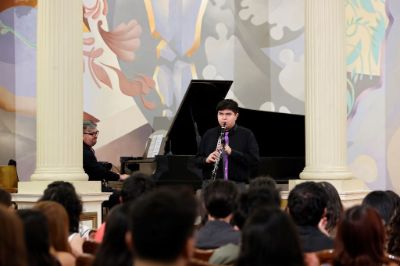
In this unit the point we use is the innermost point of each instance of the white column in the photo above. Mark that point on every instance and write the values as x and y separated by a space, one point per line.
326 118
59 91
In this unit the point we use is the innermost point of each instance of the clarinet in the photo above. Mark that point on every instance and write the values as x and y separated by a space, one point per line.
220 149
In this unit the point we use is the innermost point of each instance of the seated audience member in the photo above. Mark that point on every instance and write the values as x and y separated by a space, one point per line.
57 219
65 194
133 187
249 202
37 239
162 228
12 242
269 237
113 251
360 240
220 202
334 210
262 181
382 202
306 205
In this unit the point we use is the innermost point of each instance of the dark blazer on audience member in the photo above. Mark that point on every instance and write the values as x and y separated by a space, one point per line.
312 239
94 169
215 234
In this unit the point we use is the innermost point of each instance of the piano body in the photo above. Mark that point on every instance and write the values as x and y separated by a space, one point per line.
280 138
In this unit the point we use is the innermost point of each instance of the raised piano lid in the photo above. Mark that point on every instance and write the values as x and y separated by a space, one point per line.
195 115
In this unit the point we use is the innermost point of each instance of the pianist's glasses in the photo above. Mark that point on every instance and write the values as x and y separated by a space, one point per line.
93 134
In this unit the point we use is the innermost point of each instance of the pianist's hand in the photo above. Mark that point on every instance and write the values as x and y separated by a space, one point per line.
123 177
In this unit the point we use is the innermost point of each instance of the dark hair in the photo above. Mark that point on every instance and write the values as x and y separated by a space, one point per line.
5 198
12 244
334 206
395 198
220 198
394 234
37 239
57 218
254 199
382 202
307 202
135 186
113 250
262 181
65 194
161 222
360 240
269 237
228 104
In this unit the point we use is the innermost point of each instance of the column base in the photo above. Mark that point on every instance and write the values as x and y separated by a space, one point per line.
38 187
326 174
59 175
351 191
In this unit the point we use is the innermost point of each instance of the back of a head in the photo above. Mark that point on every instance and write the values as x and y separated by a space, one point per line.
220 198
262 181
57 219
269 237
135 186
5 198
161 223
113 249
382 202
12 244
228 104
65 194
37 238
307 202
360 239
334 207
253 199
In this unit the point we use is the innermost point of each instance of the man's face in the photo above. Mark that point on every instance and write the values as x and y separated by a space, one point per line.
227 117
90 136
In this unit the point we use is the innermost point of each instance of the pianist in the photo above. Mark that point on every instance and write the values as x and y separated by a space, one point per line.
94 169
229 151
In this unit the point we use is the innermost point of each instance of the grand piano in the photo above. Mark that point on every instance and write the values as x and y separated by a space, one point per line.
280 138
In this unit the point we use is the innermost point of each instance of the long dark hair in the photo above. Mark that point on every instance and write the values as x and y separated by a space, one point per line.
113 250
37 238
360 240
269 237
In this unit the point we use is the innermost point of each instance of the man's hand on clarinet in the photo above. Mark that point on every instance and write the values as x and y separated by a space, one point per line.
212 157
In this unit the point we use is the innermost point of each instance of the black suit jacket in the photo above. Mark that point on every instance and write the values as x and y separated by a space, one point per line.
244 156
94 169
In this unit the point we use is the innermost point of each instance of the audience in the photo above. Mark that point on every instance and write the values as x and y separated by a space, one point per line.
334 210
65 194
37 239
162 228
360 240
269 237
12 242
113 250
220 202
57 219
382 202
133 187
307 204
261 182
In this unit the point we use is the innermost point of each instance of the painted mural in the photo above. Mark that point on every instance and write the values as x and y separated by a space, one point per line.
139 57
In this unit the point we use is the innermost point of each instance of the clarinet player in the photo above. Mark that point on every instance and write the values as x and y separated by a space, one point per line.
228 151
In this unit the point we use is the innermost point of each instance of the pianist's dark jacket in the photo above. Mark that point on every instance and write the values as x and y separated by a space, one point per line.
244 156
95 170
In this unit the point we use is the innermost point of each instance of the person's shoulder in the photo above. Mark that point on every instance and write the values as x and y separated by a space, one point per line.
211 131
245 130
